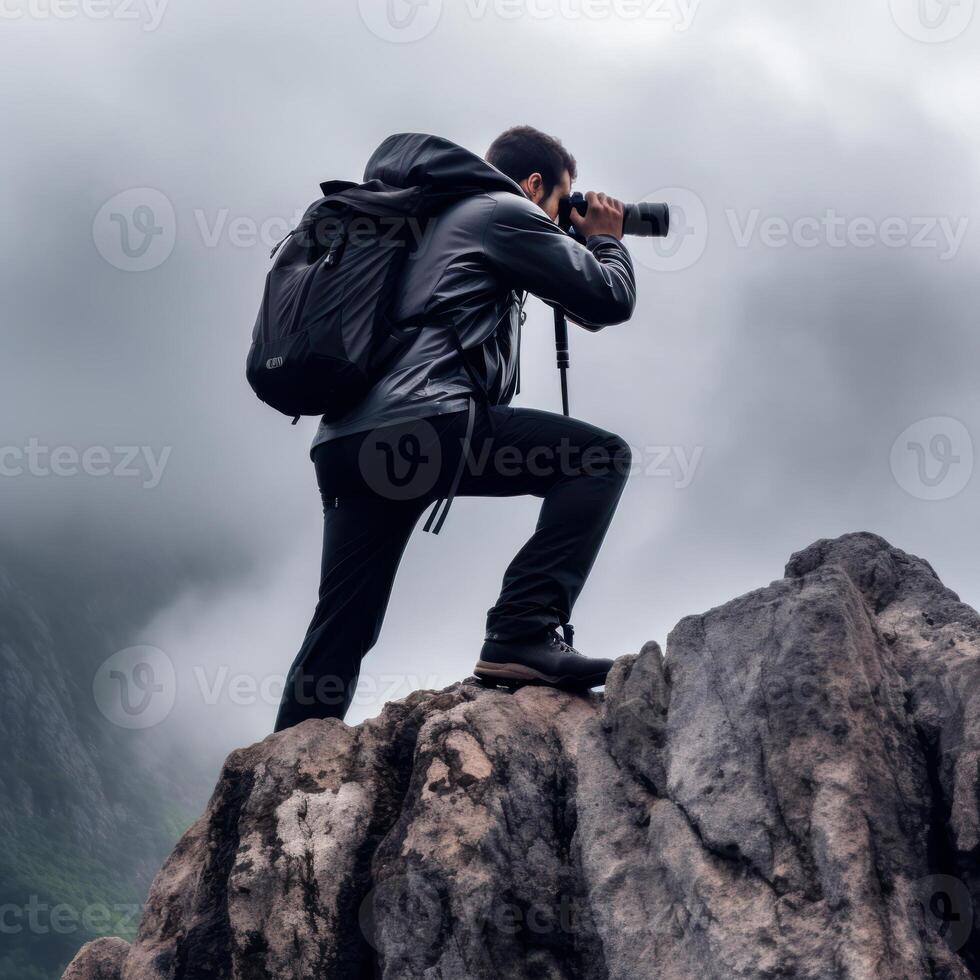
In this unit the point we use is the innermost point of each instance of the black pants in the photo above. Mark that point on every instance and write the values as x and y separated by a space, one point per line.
376 485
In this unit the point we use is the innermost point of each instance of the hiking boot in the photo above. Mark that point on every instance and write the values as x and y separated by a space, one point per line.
542 659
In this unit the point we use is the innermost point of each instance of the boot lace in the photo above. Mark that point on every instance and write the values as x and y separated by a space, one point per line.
559 643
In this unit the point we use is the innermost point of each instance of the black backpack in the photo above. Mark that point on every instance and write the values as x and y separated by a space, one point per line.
323 334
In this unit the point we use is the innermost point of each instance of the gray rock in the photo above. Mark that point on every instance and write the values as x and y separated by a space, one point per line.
791 792
101 959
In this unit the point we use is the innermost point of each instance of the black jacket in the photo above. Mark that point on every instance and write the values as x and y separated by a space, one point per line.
474 261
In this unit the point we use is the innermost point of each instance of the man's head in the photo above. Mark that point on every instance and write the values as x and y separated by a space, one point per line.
538 162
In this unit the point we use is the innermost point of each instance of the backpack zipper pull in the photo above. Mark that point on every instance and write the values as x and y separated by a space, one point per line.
278 245
336 247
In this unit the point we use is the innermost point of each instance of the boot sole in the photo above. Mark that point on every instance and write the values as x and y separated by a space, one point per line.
519 675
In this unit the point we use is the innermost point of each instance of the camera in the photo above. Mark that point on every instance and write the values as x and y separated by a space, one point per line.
648 220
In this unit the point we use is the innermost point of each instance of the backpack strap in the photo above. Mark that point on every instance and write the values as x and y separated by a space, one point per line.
446 502
521 320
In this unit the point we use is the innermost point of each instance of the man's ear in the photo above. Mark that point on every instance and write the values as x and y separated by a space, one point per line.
533 186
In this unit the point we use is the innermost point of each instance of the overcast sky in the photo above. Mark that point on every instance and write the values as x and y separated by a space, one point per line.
819 300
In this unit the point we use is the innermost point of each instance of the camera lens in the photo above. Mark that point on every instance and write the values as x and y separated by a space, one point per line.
648 220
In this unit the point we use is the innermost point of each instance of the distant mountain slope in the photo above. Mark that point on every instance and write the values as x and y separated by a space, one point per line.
87 809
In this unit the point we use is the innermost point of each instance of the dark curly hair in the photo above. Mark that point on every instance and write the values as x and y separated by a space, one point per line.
523 150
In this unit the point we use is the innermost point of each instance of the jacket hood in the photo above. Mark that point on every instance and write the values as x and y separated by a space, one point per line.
417 159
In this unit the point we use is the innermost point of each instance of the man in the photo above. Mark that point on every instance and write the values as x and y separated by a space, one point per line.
438 422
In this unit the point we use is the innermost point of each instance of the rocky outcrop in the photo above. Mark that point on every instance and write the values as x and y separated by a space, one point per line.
101 959
791 793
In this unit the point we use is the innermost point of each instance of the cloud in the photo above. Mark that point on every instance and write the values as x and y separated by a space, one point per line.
793 368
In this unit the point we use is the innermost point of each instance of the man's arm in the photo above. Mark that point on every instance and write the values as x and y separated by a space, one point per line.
593 284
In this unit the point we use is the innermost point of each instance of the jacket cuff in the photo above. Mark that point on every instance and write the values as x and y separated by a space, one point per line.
593 241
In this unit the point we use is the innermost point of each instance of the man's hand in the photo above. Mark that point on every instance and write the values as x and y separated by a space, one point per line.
603 217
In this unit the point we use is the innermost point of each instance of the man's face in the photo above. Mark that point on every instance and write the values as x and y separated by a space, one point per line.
534 188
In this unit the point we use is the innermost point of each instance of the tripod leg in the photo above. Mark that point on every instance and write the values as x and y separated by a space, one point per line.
561 352
564 362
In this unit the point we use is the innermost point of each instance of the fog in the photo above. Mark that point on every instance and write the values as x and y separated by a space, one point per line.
818 300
